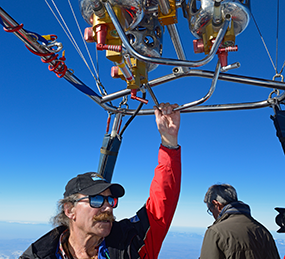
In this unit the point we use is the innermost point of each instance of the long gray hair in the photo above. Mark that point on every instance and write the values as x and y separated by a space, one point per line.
223 193
60 219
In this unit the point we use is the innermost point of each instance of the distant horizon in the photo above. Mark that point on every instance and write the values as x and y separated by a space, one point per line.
172 226
180 229
180 242
48 223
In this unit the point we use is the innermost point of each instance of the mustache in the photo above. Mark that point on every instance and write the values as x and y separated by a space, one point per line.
105 216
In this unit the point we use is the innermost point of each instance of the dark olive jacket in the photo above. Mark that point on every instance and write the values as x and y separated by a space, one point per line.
238 236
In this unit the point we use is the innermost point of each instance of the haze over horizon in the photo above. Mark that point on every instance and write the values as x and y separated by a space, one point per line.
180 243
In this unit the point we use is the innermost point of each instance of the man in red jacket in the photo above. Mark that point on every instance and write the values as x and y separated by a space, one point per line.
86 225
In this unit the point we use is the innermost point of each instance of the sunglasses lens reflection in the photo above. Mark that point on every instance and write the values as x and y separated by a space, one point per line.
98 201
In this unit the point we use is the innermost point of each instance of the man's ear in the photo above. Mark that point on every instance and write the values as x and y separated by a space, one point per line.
218 204
69 210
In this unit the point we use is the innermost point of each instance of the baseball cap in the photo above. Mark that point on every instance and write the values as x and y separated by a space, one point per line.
92 183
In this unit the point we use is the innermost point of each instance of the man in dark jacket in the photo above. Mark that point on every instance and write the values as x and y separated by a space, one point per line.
234 234
86 225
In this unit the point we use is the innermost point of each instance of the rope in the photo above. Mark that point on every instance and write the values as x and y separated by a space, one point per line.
65 28
69 34
82 37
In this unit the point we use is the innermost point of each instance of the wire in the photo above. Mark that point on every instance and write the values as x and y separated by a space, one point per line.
65 28
82 37
264 43
277 31
278 10
133 116
99 85
69 35
277 37
282 68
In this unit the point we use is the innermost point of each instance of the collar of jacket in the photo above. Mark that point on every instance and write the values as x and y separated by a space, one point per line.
237 207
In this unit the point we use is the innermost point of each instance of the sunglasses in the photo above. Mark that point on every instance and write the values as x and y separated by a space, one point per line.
97 201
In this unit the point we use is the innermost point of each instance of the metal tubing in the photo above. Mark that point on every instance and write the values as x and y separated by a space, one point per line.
21 34
210 108
164 6
228 107
173 32
174 35
128 60
222 76
217 16
116 125
204 74
152 94
35 46
166 61
28 40
126 71
71 78
208 95
230 67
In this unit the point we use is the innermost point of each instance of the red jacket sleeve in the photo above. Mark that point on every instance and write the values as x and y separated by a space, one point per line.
161 204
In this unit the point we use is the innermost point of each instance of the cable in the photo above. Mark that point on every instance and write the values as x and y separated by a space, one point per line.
277 37
82 37
277 31
133 116
278 10
69 34
65 28
263 42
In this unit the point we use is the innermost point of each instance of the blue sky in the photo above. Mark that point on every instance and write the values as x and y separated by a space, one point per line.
51 132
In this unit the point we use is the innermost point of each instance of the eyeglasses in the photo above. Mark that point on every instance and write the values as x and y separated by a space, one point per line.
97 201
210 212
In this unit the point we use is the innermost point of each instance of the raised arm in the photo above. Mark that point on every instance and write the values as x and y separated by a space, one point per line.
165 186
